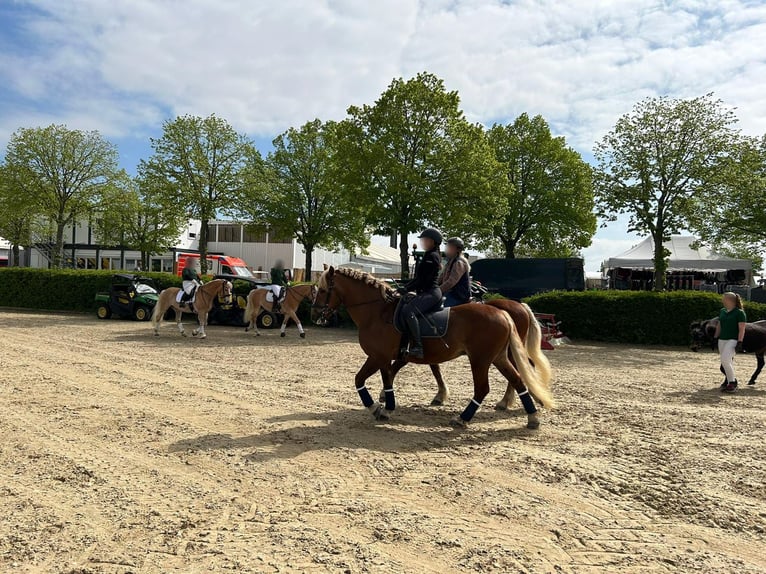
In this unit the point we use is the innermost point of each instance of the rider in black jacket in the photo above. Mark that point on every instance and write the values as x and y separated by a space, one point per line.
425 284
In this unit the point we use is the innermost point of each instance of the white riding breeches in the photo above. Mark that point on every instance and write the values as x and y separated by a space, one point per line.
277 290
188 286
727 349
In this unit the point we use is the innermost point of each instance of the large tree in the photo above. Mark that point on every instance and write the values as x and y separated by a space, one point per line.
294 192
135 215
63 171
548 189
415 160
199 164
657 161
733 220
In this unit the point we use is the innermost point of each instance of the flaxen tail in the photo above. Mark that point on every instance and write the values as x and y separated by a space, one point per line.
529 374
534 338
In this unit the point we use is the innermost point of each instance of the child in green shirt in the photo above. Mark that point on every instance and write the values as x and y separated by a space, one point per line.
730 332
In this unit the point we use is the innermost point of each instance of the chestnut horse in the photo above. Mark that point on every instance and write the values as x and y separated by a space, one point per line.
484 333
294 295
203 302
529 331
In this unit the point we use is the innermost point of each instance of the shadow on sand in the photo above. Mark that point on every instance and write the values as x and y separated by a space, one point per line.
414 429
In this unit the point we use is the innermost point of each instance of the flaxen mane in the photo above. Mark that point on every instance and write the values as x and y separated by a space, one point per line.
386 291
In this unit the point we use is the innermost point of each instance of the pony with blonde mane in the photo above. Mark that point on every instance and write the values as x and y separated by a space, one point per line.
486 334
294 295
204 298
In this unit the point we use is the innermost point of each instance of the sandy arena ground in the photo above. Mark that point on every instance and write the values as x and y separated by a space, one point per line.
121 452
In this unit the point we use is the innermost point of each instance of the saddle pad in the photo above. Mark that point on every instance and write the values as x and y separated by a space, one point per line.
432 325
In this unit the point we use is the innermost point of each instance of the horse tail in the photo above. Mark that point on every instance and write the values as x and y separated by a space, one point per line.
534 338
250 308
156 313
529 375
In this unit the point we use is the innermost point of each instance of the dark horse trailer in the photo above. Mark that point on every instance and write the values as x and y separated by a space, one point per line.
519 278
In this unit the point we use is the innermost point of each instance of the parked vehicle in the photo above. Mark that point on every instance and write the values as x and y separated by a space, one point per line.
129 296
233 312
216 265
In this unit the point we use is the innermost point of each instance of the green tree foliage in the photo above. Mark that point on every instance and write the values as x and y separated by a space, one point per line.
133 215
294 192
414 159
19 223
733 220
63 171
657 161
548 189
198 164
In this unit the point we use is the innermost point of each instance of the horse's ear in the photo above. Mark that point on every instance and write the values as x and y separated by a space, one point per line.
331 271
326 267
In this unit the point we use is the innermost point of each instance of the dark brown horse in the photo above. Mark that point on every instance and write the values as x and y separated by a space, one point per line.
529 331
484 333
754 341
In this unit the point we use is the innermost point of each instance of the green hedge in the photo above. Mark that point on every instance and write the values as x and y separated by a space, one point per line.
62 289
643 317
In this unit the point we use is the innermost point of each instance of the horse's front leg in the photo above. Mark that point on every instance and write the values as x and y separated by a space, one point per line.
360 380
179 324
759 358
199 332
480 372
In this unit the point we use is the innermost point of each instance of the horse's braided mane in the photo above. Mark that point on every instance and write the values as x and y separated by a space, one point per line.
386 291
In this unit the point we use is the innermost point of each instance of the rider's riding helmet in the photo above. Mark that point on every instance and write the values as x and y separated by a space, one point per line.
432 234
457 243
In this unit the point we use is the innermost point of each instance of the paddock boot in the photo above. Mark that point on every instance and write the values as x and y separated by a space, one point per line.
416 343
731 387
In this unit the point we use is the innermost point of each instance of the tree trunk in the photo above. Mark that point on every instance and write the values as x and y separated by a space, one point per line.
510 249
58 249
15 255
660 261
404 253
392 240
145 261
203 235
309 262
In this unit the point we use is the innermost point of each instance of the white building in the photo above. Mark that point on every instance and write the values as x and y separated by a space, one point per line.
259 250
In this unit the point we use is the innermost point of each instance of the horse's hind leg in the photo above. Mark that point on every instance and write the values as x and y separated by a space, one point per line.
758 368
515 383
443 393
480 372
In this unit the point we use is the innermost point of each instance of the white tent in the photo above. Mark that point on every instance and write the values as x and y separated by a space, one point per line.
682 257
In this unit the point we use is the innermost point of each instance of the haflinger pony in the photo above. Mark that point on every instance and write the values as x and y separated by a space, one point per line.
294 295
754 342
204 298
529 331
486 334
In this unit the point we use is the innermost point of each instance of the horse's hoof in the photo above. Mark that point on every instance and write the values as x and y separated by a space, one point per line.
282 334
156 334
257 334
437 403
303 335
533 422
379 412
184 335
458 423
382 396
501 406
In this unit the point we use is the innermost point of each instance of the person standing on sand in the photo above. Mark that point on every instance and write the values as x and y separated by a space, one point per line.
730 332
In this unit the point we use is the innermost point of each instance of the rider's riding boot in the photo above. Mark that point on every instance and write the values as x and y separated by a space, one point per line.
416 344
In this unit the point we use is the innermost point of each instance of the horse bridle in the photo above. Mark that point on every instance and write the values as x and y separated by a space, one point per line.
326 309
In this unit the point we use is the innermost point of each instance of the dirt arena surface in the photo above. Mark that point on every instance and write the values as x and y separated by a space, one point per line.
121 452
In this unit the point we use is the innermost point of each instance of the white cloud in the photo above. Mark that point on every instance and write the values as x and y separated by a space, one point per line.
125 65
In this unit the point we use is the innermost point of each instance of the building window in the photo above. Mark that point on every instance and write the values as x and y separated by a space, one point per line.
254 236
229 233
275 237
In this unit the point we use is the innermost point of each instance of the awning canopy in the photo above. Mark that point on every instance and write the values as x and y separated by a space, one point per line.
682 257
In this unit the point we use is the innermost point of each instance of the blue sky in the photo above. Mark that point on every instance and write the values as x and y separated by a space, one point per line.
124 66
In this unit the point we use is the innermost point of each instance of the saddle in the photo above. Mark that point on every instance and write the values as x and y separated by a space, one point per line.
433 325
